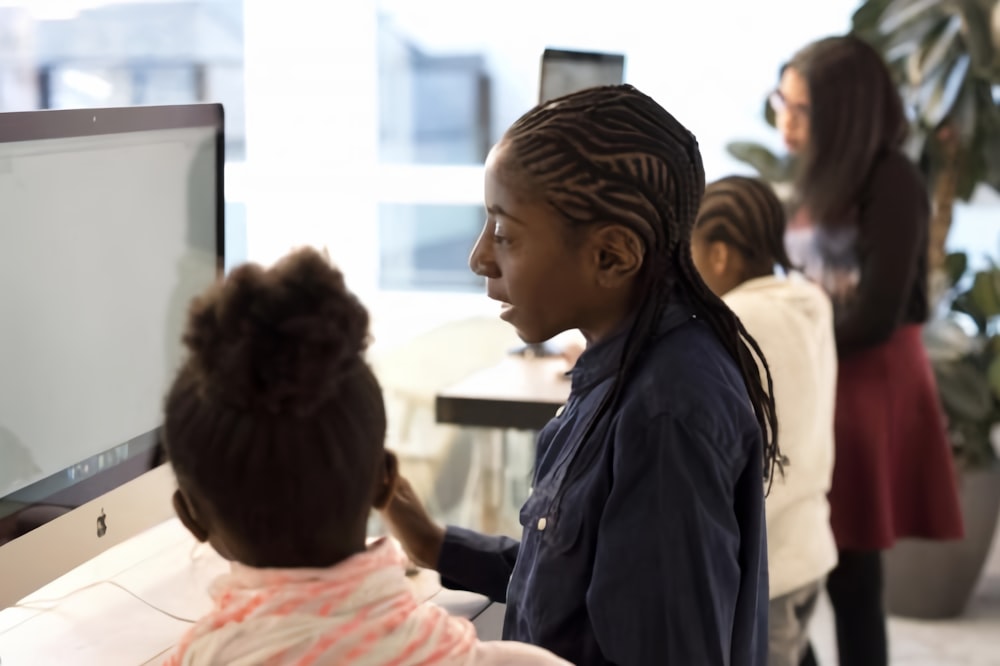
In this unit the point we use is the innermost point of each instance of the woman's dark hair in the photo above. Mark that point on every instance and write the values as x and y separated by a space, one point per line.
275 424
613 155
746 214
855 116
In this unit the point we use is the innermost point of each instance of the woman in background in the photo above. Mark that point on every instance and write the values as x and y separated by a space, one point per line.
861 230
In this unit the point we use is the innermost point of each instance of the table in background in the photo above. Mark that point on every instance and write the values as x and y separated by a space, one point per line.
519 393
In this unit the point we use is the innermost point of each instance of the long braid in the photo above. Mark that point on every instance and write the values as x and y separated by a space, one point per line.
612 154
747 215
747 353
733 335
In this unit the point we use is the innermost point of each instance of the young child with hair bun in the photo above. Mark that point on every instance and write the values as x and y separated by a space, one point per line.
275 427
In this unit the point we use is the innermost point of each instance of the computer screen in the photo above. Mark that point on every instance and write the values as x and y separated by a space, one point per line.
111 221
564 72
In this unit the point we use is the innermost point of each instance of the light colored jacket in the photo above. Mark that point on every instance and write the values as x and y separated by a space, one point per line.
792 321
361 612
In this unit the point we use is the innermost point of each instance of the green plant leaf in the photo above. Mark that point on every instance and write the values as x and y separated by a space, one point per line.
901 12
976 17
990 147
971 442
944 92
770 167
971 171
993 375
933 55
955 265
964 304
769 115
964 115
946 341
984 293
993 274
902 43
866 18
964 390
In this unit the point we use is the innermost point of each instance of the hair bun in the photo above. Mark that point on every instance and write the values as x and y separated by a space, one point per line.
280 339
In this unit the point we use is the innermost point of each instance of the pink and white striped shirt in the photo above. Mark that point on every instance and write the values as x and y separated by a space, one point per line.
362 612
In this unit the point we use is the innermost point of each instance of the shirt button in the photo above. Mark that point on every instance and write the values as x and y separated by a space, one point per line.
542 523
560 410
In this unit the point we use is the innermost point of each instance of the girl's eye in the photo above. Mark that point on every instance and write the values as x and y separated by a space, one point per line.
498 236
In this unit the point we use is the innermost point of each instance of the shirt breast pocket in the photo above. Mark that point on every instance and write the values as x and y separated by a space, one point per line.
552 522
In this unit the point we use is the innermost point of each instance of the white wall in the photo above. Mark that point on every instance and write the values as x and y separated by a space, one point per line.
311 131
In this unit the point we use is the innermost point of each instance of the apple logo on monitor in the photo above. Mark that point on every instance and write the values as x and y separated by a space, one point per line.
102 525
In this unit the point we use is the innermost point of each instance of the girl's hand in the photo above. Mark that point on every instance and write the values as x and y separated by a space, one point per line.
408 521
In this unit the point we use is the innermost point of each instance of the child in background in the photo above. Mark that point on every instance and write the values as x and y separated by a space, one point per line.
737 243
275 428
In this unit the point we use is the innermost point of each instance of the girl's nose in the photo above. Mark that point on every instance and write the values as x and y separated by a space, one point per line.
481 260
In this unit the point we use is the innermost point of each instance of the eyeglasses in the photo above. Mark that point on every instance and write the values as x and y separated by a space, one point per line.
780 105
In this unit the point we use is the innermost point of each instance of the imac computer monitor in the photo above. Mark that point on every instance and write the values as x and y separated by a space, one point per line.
111 221
565 72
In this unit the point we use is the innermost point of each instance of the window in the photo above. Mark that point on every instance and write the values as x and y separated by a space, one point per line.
433 110
426 246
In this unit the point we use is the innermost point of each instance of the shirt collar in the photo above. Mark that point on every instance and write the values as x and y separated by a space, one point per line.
601 360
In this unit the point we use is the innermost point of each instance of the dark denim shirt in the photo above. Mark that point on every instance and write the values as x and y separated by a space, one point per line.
652 550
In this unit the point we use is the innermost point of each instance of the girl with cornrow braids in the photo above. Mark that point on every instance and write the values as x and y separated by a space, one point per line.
643 539
738 243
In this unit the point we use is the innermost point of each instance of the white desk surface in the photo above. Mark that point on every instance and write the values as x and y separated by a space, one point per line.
105 625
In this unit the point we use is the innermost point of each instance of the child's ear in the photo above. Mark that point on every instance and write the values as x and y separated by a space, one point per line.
187 516
719 257
618 254
385 481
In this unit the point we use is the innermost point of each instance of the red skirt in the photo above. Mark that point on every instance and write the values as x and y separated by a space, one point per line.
893 476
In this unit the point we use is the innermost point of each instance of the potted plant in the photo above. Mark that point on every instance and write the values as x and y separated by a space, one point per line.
963 342
946 59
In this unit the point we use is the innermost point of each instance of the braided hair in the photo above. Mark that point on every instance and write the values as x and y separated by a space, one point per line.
611 153
746 215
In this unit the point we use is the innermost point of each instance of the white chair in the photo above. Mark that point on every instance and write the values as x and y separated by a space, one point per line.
438 459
